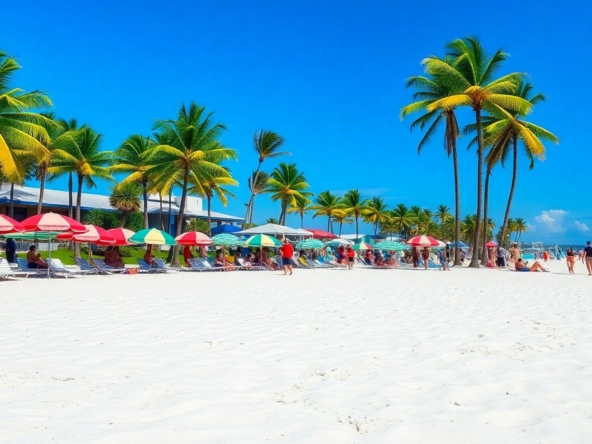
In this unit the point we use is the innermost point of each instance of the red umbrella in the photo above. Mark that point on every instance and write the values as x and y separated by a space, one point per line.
9 225
490 244
192 238
52 222
423 241
93 235
320 234
121 236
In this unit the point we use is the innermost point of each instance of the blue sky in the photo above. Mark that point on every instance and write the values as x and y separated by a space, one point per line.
329 77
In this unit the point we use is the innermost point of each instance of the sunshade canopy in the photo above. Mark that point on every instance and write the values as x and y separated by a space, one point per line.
423 241
310 243
9 225
321 234
152 236
52 222
226 240
262 240
225 229
194 238
275 230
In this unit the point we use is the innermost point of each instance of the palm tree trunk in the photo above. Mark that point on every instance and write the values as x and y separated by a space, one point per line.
512 188
457 261
11 204
252 200
41 191
161 214
168 230
175 260
475 258
356 227
78 205
145 194
70 186
485 258
302 220
340 227
329 224
123 217
209 198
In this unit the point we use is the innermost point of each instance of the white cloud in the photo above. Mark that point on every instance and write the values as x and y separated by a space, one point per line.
551 221
580 226
530 227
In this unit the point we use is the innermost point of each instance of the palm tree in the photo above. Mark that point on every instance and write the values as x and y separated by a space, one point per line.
327 204
126 199
302 207
417 215
272 220
502 132
354 205
23 133
130 158
402 218
511 228
257 185
375 212
342 217
467 229
78 152
286 184
469 74
388 225
519 227
191 144
429 90
267 144
211 185
442 214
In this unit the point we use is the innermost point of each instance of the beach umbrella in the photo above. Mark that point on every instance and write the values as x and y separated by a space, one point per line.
220 229
363 246
339 241
262 240
52 222
391 246
423 241
32 236
226 240
121 236
490 244
321 234
194 238
93 234
310 243
460 244
152 236
9 225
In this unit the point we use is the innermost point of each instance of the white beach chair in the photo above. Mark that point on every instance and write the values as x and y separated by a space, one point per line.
6 271
56 266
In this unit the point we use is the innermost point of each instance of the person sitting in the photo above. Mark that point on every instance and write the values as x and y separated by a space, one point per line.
368 259
379 260
391 261
219 261
247 262
314 255
523 266
149 257
34 260
187 254
113 258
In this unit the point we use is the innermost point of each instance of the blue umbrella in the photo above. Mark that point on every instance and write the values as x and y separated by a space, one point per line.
220 229
461 244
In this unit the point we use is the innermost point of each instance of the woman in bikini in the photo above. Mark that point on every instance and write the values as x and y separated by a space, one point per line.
571 260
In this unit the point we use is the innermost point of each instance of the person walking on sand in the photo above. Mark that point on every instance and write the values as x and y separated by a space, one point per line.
425 255
415 256
351 254
287 251
588 256
501 256
445 258
571 259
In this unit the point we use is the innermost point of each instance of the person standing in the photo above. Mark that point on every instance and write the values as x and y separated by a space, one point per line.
501 256
351 254
425 255
445 258
571 259
10 251
287 251
515 253
415 256
588 255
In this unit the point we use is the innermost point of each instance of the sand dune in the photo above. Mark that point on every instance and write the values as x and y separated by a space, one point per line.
369 356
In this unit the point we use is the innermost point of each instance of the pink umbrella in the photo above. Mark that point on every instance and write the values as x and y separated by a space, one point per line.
490 244
9 225
121 236
423 241
192 238
93 235
52 222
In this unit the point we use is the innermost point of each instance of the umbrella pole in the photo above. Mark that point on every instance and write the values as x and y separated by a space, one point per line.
49 255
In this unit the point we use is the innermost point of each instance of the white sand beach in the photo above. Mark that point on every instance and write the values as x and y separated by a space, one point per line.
323 356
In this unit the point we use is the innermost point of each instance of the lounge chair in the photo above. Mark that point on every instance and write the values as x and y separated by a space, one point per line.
56 266
161 265
24 266
203 265
103 268
7 272
241 263
85 266
147 268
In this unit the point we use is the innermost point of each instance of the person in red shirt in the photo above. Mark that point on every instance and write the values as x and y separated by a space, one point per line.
340 254
187 255
287 251
351 254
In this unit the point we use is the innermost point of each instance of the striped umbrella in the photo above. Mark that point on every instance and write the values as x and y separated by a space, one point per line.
32 236
310 244
391 246
92 235
423 241
121 236
52 222
226 240
362 246
9 225
192 238
262 240
152 236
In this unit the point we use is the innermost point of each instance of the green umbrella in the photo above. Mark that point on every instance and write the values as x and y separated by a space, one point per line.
262 240
41 235
226 240
362 246
152 236
310 243
391 246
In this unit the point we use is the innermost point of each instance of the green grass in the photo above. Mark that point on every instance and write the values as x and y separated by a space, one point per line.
67 256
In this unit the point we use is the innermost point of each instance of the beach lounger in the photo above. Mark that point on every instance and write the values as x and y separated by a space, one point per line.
24 266
57 267
103 268
6 271
161 265
241 264
85 266
147 268
302 262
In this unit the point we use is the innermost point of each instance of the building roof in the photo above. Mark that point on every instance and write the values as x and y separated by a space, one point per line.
29 196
